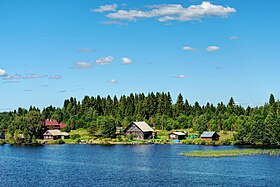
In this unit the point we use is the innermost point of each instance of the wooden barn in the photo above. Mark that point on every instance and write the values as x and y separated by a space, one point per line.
139 130
2 134
177 136
210 136
55 134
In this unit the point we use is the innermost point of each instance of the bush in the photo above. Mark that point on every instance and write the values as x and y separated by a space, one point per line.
60 141
2 142
75 136
202 142
66 129
225 142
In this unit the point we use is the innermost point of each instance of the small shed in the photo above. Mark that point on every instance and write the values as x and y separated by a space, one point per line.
139 130
55 134
177 136
2 134
210 136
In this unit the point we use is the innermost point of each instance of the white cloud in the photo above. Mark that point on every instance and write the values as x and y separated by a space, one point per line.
212 48
111 22
179 76
112 81
55 77
234 37
188 48
105 60
83 65
126 60
174 12
86 50
105 8
7 82
19 77
2 72
28 90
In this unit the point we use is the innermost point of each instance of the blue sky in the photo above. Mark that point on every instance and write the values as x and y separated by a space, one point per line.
207 50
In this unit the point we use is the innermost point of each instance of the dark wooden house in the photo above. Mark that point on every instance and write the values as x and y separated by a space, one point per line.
2 134
139 130
210 136
55 134
177 136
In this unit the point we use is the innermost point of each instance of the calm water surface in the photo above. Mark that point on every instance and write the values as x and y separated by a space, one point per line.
137 165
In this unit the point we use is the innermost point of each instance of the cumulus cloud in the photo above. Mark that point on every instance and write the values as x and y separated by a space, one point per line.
212 48
234 37
2 72
55 77
112 81
83 65
174 12
105 60
126 60
87 65
179 76
105 8
188 48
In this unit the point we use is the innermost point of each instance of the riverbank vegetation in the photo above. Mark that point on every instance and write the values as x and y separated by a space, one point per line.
99 117
231 152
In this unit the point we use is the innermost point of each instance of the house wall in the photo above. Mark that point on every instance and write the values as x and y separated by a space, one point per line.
214 138
137 133
48 137
173 137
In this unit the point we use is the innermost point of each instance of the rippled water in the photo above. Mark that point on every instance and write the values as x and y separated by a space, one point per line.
137 165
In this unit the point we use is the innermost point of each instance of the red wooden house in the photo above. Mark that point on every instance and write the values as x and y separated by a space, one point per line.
53 124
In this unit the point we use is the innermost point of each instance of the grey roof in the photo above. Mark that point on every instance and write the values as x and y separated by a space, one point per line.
179 133
207 134
56 133
143 126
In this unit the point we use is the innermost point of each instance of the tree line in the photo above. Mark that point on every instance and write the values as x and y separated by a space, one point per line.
253 125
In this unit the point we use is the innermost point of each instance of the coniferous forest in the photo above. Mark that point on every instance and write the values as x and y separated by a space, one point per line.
258 125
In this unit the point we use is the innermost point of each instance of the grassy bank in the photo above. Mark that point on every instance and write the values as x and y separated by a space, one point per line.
232 152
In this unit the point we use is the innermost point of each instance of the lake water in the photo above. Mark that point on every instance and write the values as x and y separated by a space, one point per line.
137 165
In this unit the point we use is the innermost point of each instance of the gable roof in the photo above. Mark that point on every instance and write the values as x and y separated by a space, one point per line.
50 122
61 126
179 133
53 122
142 125
207 134
56 133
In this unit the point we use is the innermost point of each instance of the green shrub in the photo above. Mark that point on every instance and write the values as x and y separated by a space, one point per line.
75 136
225 142
2 142
60 141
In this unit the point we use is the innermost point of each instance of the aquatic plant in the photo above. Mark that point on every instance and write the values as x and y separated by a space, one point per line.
232 152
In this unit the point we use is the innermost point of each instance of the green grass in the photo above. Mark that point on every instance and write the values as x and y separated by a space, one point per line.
232 152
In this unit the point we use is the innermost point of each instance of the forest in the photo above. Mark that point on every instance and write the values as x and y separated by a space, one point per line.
101 115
